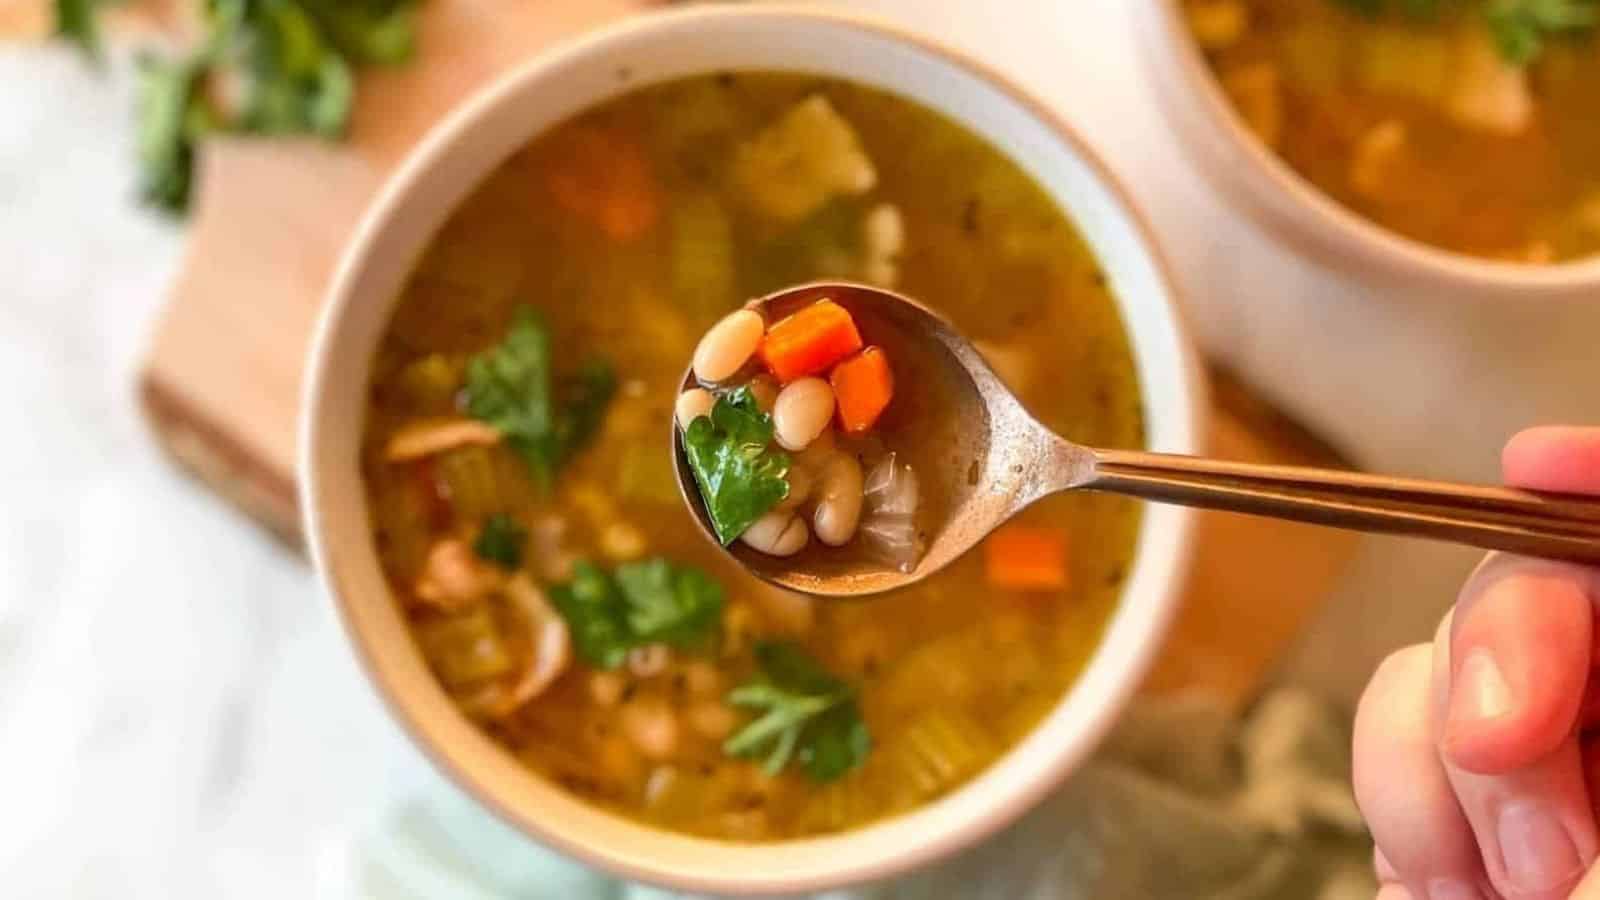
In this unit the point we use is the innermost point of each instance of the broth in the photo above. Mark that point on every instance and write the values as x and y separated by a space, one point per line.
624 233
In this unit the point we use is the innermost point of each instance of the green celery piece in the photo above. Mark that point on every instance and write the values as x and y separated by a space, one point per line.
740 478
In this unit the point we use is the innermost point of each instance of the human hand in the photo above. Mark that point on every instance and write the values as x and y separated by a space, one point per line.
1476 756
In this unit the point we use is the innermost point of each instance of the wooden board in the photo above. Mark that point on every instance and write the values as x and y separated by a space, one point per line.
221 383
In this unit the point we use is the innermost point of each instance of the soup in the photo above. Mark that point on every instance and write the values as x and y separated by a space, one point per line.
519 473
1470 126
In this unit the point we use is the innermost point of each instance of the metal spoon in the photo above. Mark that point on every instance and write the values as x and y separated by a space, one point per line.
991 459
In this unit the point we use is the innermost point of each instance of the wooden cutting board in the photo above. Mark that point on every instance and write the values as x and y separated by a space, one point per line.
221 382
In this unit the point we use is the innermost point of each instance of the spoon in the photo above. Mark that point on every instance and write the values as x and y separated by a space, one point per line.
990 459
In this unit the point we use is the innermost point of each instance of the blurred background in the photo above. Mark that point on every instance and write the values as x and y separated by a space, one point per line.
179 712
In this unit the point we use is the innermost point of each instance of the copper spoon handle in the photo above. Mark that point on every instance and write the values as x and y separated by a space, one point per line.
1533 524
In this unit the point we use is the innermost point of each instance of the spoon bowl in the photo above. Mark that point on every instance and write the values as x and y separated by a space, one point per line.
981 458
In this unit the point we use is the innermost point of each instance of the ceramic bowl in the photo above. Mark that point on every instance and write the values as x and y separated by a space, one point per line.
1299 216
482 133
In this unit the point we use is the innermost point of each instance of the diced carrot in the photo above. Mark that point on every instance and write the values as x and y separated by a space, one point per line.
863 385
1026 558
604 177
810 341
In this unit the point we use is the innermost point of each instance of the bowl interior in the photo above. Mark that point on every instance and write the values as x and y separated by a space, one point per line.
501 120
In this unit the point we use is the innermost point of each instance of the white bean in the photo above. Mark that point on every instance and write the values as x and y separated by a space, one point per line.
692 404
803 411
765 390
728 345
884 231
839 504
777 534
651 727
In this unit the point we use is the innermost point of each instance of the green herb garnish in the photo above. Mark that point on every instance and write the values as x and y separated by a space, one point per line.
807 716
596 616
675 605
75 21
510 386
170 119
740 478
639 603
293 62
1522 27
501 542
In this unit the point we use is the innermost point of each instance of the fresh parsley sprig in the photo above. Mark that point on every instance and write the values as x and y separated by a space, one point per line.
639 603
512 387
501 542
293 63
806 716
1521 28
740 477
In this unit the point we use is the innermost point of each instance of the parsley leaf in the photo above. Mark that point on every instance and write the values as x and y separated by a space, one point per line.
596 616
171 115
75 21
674 605
809 716
740 479
293 60
1521 27
501 542
640 603
510 386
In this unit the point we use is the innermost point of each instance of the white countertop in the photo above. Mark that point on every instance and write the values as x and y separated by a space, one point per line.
178 713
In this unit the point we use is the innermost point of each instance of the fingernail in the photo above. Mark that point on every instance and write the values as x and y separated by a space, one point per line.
1479 690
1452 889
1539 854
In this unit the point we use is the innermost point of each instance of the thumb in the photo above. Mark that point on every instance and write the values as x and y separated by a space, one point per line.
1558 458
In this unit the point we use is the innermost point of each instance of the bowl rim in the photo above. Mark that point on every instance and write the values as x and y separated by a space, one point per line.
1189 412
1281 199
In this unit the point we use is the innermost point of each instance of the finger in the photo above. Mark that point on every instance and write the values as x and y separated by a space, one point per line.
1589 749
1402 788
1394 892
1521 646
1513 664
1381 866
1556 458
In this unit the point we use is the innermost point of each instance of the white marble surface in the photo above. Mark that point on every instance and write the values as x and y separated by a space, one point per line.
178 715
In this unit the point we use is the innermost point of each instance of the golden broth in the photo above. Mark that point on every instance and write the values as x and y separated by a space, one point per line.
949 674
1421 126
